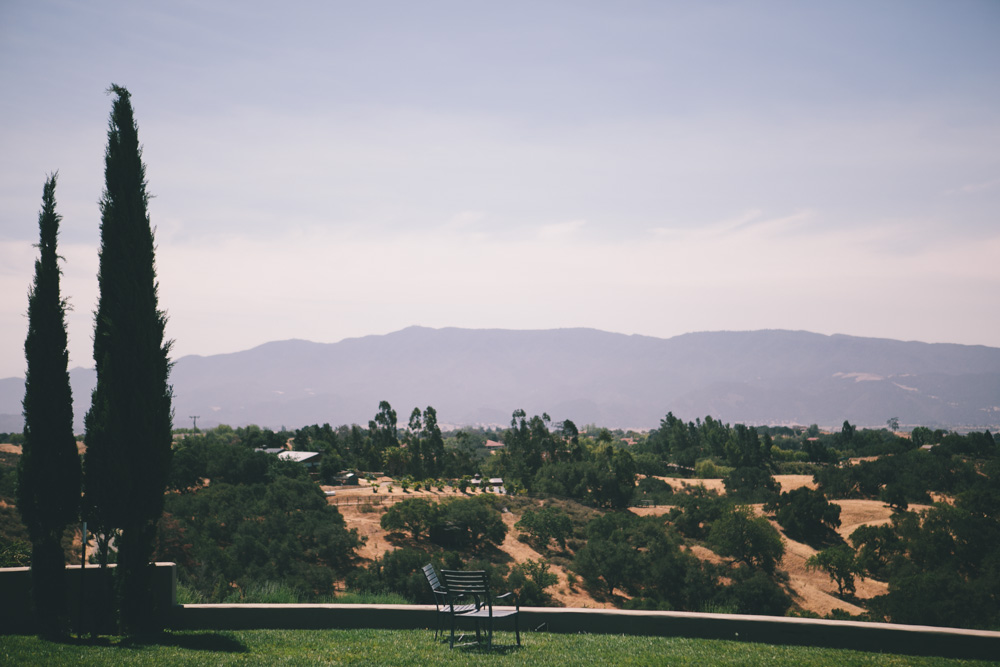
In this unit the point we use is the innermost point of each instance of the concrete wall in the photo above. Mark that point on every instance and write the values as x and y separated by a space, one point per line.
96 613
15 616
875 637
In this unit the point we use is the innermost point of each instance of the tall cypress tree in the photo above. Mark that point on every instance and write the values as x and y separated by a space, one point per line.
128 427
48 474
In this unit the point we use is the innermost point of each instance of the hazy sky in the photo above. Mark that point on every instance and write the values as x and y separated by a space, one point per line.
335 169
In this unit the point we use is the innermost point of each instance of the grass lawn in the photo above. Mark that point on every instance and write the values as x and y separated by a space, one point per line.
413 647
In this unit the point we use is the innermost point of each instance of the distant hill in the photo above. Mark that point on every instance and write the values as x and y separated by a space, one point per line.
589 376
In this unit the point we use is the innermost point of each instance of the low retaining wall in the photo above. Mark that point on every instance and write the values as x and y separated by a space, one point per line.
96 614
874 637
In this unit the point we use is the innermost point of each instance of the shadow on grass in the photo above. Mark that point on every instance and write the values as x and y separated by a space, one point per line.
483 649
208 641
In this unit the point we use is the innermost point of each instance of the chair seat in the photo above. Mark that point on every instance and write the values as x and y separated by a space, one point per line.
459 609
485 613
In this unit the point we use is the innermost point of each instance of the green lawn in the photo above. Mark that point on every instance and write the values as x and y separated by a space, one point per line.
411 647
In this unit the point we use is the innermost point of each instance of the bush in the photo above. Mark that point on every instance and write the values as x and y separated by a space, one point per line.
529 580
756 593
707 469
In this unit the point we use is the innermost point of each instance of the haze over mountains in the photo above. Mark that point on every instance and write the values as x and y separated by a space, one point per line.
589 376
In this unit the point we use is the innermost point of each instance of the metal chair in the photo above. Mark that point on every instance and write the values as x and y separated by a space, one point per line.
441 598
474 585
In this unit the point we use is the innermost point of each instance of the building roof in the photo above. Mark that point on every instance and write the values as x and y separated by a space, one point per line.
301 457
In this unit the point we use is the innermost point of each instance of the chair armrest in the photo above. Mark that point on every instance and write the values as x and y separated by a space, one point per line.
509 594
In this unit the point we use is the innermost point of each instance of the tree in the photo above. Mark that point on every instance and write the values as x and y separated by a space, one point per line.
612 556
128 427
529 581
414 514
746 538
548 523
433 443
805 514
751 485
464 523
839 562
744 448
48 488
382 432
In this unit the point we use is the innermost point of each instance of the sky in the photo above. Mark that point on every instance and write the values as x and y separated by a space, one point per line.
325 170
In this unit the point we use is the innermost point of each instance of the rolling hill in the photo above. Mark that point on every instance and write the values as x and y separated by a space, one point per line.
589 376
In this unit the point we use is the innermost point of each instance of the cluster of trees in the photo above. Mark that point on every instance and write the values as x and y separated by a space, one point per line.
261 521
903 478
457 523
418 451
536 458
128 426
561 463
642 557
457 533
942 564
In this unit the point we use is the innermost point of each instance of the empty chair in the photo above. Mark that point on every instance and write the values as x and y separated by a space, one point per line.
441 598
472 588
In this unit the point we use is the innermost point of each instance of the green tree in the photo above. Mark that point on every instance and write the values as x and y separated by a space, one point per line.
433 443
878 547
745 449
464 523
414 514
747 538
128 427
839 562
242 534
751 485
805 514
529 581
382 436
548 523
612 557
48 489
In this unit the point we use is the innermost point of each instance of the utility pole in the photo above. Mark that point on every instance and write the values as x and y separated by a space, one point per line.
194 421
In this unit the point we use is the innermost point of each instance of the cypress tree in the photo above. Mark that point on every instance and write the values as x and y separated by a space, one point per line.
48 474
128 427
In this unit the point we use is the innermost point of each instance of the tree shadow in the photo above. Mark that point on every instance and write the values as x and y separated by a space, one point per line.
481 648
208 641
819 540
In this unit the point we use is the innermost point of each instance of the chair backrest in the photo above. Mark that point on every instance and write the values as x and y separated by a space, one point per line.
432 577
440 595
473 583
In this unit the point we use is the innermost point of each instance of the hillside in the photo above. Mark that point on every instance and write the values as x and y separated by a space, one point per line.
810 590
589 376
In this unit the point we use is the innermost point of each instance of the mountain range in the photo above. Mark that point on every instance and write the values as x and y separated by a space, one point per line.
480 376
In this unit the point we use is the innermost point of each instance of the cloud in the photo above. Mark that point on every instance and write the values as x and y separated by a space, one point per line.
972 188
325 284
560 230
